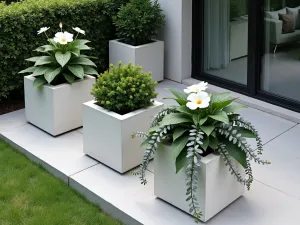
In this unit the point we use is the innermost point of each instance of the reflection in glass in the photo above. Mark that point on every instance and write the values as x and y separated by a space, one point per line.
226 39
281 62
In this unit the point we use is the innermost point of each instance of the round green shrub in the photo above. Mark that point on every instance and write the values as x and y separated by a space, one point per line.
139 21
123 89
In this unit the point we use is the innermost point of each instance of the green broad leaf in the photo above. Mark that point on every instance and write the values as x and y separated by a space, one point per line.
40 70
196 119
245 132
69 77
181 161
75 52
233 108
90 70
220 97
179 144
62 58
235 152
83 47
178 95
202 121
82 61
221 105
48 48
207 129
175 118
33 59
28 70
80 42
213 142
39 81
178 132
220 116
40 49
145 143
44 60
52 42
51 73
205 142
77 70
184 109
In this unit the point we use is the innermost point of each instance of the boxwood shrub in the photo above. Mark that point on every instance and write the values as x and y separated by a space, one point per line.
19 23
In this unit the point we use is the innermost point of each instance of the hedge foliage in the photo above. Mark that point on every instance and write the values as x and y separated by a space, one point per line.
19 23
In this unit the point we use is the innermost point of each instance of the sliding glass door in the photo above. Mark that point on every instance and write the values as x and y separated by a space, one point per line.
226 39
251 47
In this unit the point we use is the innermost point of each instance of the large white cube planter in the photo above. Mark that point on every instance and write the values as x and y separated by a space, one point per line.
149 56
107 135
56 109
217 188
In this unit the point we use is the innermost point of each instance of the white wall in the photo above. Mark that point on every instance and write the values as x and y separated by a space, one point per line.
177 35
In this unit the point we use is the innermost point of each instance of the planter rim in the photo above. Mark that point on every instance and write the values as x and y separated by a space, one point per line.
135 47
92 104
86 77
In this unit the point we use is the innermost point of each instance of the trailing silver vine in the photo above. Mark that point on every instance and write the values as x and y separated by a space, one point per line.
193 165
142 135
158 117
247 125
228 162
154 138
248 171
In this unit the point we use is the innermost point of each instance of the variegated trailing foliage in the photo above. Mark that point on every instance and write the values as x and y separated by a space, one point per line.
194 133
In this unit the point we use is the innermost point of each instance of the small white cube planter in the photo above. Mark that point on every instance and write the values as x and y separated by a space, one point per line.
217 188
149 56
56 109
107 135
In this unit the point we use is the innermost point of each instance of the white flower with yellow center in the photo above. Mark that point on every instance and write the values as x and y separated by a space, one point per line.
78 30
202 86
63 37
43 29
198 100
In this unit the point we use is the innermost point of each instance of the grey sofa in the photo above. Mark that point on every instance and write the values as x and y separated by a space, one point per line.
274 27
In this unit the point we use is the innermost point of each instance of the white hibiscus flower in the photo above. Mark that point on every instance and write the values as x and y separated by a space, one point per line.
198 100
78 30
63 37
202 86
43 29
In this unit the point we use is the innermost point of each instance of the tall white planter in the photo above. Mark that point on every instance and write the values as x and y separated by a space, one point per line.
149 56
217 187
107 135
56 109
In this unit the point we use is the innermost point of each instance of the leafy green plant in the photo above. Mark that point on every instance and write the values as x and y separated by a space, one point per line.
139 21
202 124
123 89
21 20
62 60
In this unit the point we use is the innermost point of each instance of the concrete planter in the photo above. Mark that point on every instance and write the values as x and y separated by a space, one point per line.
56 109
149 56
107 135
217 188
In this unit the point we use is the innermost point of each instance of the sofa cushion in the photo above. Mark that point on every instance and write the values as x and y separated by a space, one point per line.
288 23
290 37
295 12
275 14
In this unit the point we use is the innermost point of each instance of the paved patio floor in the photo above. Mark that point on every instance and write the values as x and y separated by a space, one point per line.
273 200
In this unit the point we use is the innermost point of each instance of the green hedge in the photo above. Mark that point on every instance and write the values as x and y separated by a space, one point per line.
20 22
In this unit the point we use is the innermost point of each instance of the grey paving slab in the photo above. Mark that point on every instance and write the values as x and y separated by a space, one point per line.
64 153
268 125
12 120
262 205
284 154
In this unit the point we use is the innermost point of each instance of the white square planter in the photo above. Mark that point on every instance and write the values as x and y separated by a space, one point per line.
56 109
149 56
217 188
107 135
